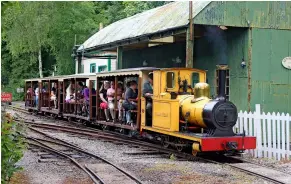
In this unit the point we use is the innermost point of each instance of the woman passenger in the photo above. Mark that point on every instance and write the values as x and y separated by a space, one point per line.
103 98
111 96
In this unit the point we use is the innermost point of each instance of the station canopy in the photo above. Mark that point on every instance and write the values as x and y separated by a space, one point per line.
168 17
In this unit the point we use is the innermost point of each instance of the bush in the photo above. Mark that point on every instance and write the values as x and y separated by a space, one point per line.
12 146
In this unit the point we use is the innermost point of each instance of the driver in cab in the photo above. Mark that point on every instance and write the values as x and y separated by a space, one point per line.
148 93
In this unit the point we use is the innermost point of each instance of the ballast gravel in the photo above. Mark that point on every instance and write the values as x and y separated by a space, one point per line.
159 169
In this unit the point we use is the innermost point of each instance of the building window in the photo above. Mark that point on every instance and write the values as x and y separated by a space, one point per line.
226 83
102 68
170 79
92 68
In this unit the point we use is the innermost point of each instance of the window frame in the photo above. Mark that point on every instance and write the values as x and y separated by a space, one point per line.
192 81
102 66
91 65
173 80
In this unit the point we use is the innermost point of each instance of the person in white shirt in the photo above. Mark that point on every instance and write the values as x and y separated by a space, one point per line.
36 92
68 94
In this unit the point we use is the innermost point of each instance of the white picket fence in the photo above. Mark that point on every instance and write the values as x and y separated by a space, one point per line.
272 131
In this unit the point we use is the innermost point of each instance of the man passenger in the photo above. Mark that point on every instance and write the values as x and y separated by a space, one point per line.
129 103
148 93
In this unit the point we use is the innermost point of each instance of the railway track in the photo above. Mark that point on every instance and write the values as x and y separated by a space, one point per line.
260 171
89 169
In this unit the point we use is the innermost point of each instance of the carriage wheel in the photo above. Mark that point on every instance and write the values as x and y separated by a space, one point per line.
70 119
35 112
104 127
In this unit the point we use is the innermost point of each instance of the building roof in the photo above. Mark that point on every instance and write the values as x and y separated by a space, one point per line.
159 19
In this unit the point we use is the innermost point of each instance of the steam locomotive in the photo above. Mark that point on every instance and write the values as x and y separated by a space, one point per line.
183 114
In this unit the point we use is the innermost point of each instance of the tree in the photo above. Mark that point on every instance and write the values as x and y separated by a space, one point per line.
32 27
27 27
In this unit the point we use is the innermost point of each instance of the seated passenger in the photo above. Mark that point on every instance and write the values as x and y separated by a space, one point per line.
36 92
119 101
103 98
54 94
84 97
68 93
148 93
29 96
110 97
130 101
73 97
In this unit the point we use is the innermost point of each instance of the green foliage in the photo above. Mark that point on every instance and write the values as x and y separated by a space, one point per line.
112 11
12 146
15 70
133 7
52 27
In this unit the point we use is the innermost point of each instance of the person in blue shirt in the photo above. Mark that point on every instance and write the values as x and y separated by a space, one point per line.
130 101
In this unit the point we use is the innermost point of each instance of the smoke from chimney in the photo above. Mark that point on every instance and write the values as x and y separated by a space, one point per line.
217 39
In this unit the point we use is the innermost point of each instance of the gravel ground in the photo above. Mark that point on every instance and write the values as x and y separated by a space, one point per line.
48 172
284 165
159 169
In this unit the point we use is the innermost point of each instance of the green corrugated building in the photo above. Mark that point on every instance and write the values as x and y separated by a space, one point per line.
257 34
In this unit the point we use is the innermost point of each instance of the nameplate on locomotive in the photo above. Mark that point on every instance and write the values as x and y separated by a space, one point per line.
162 114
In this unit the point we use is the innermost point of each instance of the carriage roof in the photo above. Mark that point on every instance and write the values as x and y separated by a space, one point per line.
124 72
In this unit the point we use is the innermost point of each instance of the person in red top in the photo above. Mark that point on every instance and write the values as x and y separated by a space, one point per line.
103 98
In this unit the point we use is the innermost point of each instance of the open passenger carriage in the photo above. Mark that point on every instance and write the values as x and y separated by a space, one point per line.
121 78
31 101
74 104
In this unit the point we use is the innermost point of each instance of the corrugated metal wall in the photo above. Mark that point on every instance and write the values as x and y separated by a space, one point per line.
262 14
165 56
271 82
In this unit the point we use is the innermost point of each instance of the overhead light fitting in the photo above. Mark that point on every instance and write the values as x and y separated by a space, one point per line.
223 27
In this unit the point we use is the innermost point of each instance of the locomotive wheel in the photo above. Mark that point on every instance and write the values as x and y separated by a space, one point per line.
165 140
178 147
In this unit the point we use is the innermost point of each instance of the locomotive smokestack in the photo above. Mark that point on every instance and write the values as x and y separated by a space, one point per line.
221 80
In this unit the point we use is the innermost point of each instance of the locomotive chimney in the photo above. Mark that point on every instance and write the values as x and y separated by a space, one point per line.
221 81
